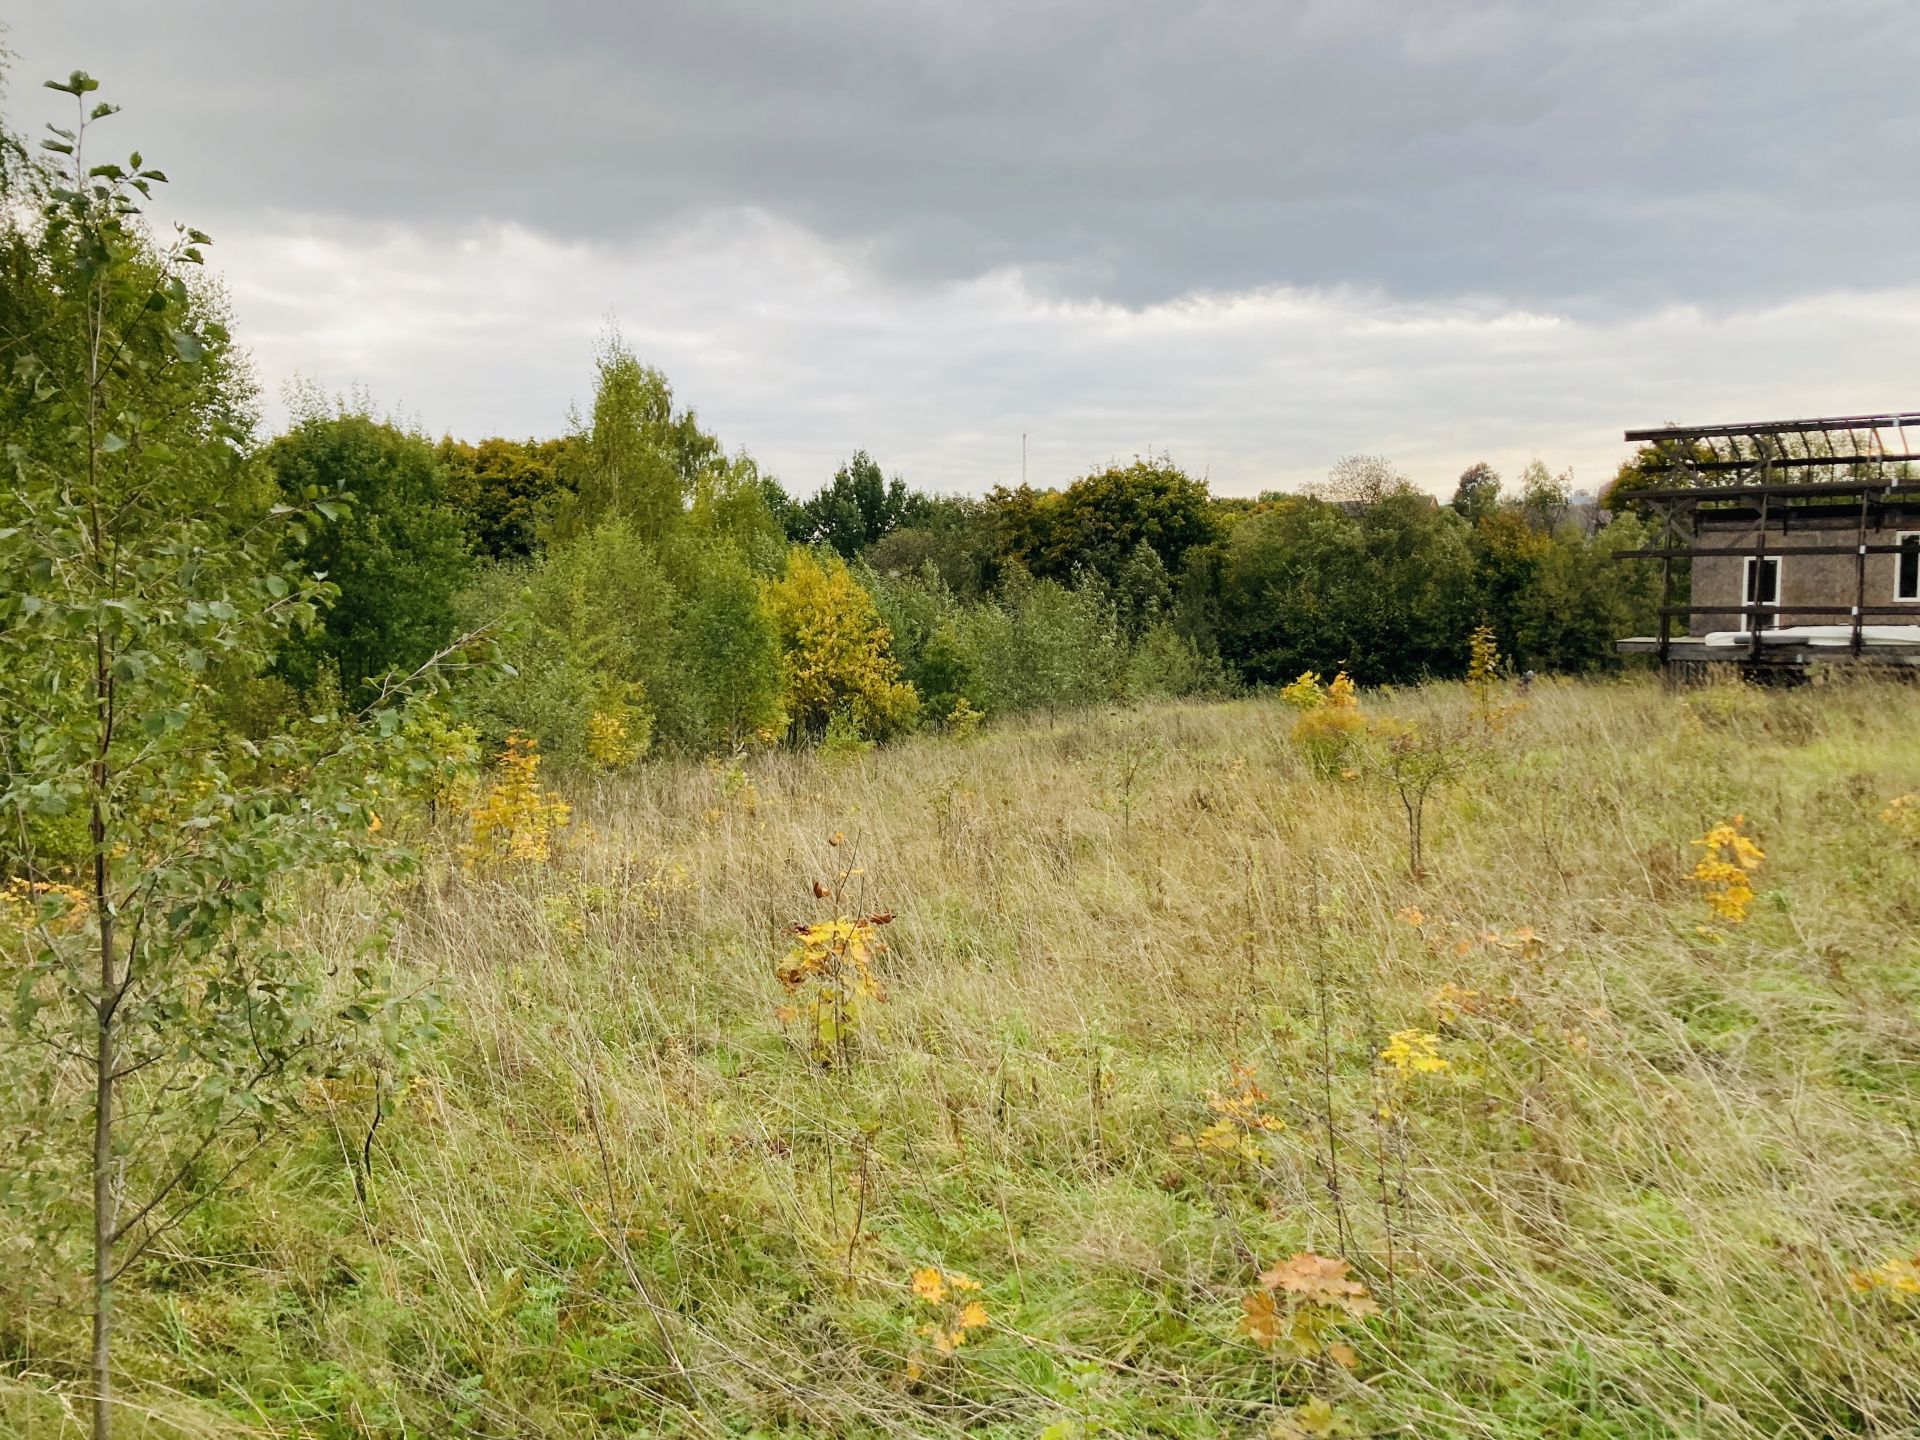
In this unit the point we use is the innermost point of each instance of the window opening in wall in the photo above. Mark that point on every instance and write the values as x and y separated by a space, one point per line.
1762 587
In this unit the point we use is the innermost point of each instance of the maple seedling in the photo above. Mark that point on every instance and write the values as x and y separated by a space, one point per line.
1300 1301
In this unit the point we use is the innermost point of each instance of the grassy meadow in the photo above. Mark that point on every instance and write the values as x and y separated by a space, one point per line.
1602 1162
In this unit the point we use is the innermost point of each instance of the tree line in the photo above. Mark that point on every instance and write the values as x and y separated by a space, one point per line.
636 568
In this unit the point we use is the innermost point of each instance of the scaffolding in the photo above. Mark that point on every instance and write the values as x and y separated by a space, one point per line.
1834 475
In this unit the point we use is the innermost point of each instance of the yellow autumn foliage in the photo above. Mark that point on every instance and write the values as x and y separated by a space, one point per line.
1902 816
956 1316
1414 1052
1728 858
620 731
1245 1120
516 820
1305 692
24 904
829 970
1897 1279
1299 1301
837 649
1330 724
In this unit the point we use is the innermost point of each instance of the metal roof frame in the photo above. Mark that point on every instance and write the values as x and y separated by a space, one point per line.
1823 451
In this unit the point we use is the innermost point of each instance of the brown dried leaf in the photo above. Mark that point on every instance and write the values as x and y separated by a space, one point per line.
1324 1280
1261 1323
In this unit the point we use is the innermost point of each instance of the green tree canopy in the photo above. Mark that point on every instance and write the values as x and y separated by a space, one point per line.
588 629
728 653
1142 591
1508 554
857 508
928 629
503 490
735 503
1042 645
1478 493
1098 521
1385 593
1581 600
637 457
396 549
954 535
1545 496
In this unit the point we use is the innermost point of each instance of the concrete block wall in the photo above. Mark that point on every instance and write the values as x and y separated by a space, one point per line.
1804 579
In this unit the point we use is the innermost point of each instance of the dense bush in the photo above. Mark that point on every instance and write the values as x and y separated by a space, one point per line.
392 543
839 657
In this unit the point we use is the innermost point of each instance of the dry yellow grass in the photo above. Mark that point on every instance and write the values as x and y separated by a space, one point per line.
618 1199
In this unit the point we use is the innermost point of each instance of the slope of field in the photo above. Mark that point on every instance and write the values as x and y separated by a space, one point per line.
1635 1170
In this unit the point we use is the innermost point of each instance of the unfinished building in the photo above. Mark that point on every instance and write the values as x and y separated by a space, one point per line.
1784 545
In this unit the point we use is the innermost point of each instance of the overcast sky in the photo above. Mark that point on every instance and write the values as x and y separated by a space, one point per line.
1257 236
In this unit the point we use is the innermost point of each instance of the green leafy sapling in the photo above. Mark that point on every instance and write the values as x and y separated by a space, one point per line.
162 1013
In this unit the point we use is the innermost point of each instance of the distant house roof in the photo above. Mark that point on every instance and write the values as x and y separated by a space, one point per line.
1360 507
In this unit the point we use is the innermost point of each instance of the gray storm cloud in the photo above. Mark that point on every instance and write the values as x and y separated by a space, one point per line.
1625 152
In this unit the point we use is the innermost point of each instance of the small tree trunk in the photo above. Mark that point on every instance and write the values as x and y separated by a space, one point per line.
103 1216
105 1056
106 1059
106 1050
